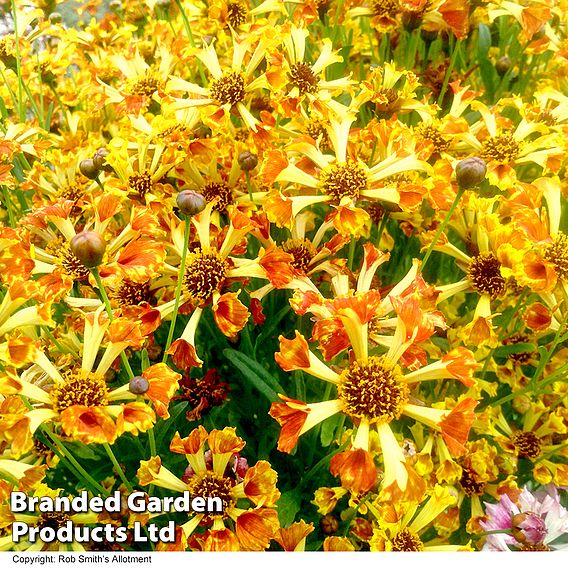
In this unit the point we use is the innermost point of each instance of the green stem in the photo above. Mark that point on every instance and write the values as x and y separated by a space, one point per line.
382 226
191 39
442 226
449 72
21 107
83 475
117 467
350 259
178 288
108 307
8 204
249 186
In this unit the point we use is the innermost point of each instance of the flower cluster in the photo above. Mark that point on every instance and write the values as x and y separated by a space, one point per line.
334 229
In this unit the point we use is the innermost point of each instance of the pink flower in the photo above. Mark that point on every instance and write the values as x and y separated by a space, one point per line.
534 522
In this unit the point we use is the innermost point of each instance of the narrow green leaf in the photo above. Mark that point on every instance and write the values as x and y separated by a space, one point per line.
506 350
483 41
257 375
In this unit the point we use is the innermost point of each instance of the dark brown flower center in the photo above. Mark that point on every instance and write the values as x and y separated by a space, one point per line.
228 89
208 485
302 76
432 134
527 445
140 183
343 180
236 13
81 388
469 484
146 86
385 8
406 541
72 266
372 391
557 254
302 250
132 293
52 520
484 272
503 148
204 274
218 190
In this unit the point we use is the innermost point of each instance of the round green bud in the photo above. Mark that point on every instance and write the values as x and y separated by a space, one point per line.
88 169
89 247
247 161
190 202
138 385
470 172
502 65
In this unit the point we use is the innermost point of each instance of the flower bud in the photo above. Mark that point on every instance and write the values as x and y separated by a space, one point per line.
55 18
99 159
138 385
329 524
88 169
247 161
89 247
190 202
502 65
470 172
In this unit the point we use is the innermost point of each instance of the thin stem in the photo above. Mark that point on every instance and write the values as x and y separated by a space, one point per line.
443 226
191 39
249 187
83 473
8 204
21 107
108 307
178 288
449 72
114 461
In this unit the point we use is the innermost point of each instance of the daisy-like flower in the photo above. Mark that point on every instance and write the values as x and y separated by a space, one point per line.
142 84
139 167
373 390
209 270
310 176
235 528
228 90
531 521
400 525
40 519
294 81
79 399
504 147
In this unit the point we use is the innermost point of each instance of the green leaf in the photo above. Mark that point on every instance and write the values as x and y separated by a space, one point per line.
488 74
483 41
506 350
328 428
257 375
289 505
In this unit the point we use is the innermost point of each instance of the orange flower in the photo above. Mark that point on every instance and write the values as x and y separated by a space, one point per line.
253 527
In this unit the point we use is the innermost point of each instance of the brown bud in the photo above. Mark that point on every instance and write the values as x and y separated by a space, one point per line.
99 159
88 169
190 202
329 524
247 161
470 172
138 385
502 65
89 247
